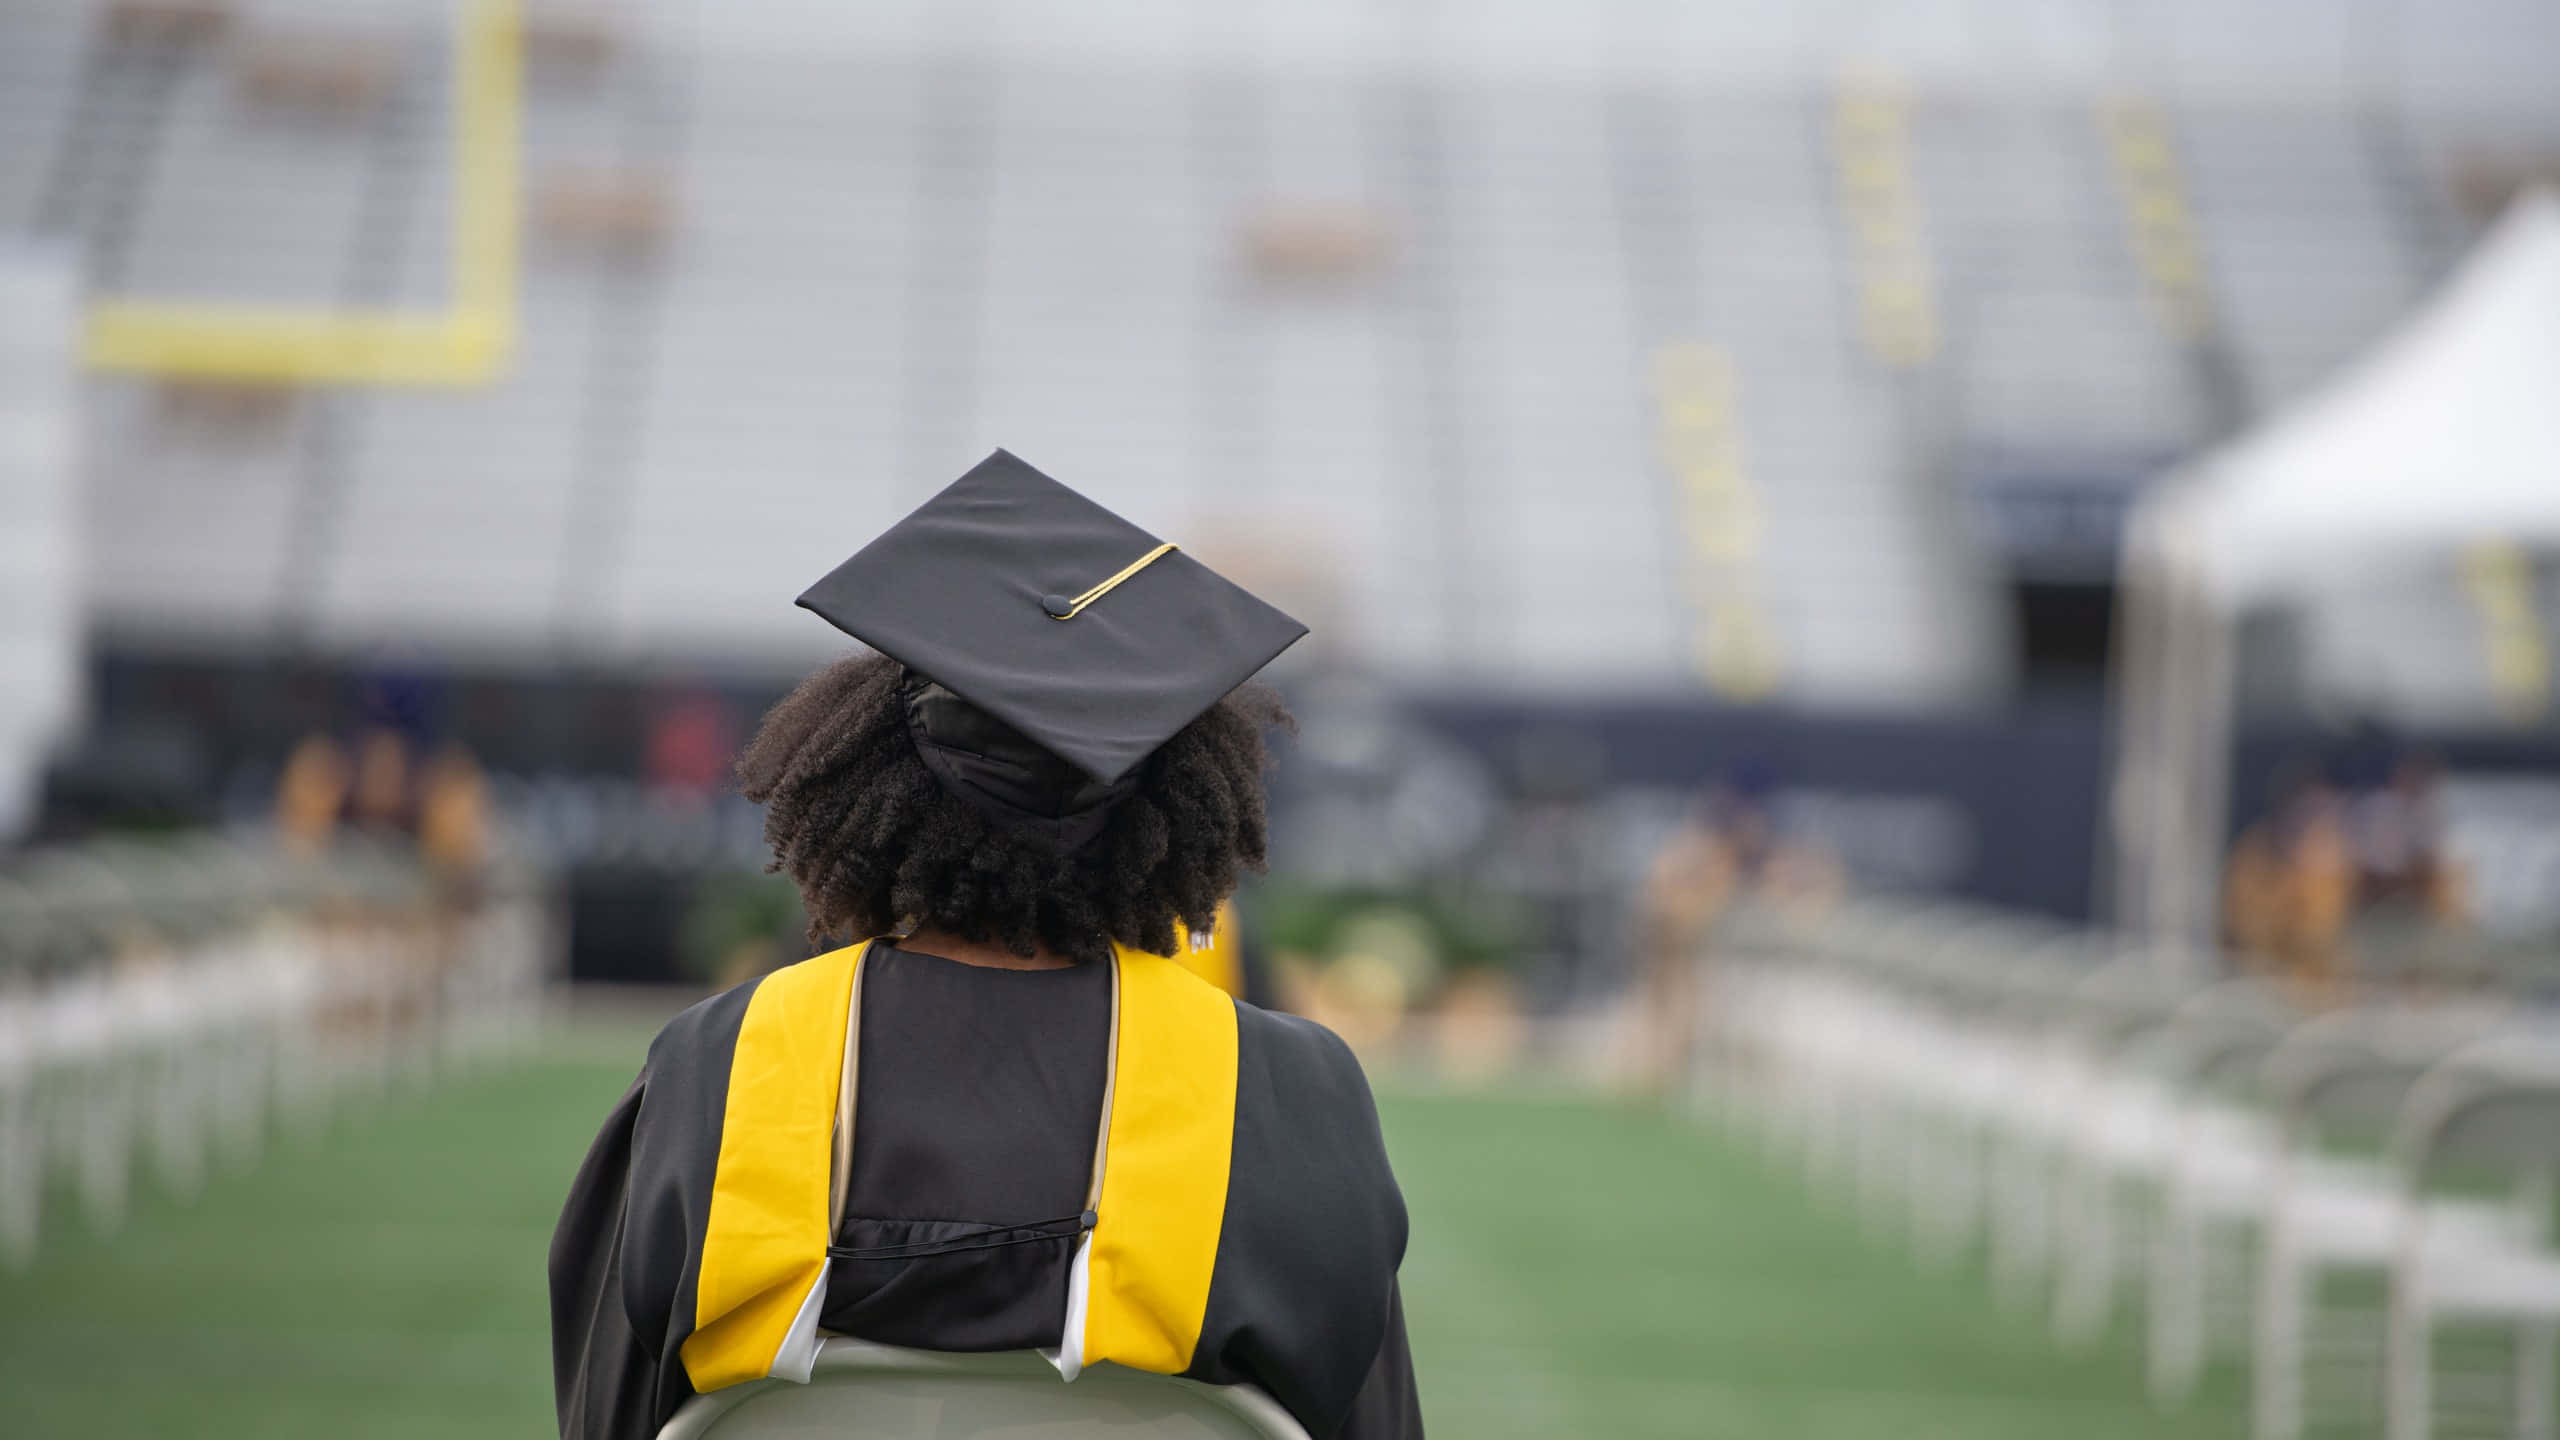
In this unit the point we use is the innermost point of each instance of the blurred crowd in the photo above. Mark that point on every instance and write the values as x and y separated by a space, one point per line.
2347 883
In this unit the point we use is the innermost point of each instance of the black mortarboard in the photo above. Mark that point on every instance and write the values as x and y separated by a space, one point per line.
1091 637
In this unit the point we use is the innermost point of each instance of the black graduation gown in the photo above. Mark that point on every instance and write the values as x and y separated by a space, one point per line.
980 1093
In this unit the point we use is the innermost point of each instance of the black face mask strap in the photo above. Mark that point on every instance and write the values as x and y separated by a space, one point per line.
1004 776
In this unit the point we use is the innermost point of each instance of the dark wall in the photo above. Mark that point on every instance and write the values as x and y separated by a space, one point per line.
2028 783
529 719
169 732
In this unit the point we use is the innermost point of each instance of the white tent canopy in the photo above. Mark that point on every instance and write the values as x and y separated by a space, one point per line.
2447 435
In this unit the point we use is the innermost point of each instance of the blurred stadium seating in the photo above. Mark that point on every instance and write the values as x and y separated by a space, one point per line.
877 246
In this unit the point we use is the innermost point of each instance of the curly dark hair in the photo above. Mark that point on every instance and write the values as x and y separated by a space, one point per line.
876 843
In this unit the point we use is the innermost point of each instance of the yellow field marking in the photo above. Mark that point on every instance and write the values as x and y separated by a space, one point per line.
1871 161
466 343
1736 648
2153 188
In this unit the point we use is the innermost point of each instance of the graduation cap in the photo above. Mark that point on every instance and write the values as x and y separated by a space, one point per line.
1076 630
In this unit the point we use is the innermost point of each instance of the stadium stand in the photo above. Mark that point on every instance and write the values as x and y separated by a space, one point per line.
1044 239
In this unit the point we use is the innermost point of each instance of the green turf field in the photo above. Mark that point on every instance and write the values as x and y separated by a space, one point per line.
1577 1269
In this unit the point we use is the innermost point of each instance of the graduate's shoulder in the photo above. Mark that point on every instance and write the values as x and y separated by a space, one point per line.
705 1032
1295 1077
1311 1193
1297 1048
708 1028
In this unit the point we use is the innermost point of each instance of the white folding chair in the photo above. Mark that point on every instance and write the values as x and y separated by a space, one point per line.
236 991
2121 1113
161 1003
2490 1114
2043 1115
2328 1213
22 1143
862 1391
2221 1150
89 1087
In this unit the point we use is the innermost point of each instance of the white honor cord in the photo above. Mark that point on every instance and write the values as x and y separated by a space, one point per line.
1069 1354
799 1352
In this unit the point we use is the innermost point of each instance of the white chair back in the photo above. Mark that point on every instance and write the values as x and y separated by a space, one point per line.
861 1391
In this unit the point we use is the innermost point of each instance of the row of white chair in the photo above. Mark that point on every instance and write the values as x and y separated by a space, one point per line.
1981 1084
171 1039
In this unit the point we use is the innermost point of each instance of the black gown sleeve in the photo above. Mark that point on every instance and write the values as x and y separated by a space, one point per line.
604 1375
1388 1406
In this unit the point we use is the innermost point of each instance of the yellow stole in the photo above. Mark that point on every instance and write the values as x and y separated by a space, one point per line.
1160 1183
